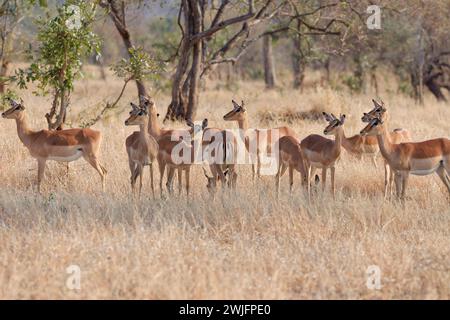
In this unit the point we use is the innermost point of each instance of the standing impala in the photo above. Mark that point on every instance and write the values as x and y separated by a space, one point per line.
59 145
418 158
290 156
255 136
172 154
398 135
142 151
323 153
164 136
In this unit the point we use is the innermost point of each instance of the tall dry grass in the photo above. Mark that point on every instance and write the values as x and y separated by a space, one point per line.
244 245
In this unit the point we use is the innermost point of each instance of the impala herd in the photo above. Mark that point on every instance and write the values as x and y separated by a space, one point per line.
152 143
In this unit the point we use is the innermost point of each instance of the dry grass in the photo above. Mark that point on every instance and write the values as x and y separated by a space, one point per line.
241 246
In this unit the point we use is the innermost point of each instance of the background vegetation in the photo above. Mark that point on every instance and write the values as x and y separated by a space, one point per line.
246 244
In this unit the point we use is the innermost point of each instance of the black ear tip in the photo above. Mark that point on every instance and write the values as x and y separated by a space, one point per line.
324 113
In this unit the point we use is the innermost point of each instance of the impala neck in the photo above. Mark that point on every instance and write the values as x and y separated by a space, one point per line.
243 124
153 125
144 128
385 143
23 130
346 142
339 137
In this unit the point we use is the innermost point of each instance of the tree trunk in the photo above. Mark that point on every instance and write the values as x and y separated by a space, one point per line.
185 97
298 63
3 73
269 66
435 90
117 14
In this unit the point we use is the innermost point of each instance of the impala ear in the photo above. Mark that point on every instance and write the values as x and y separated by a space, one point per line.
157 115
342 119
327 116
190 123
235 104
204 123
134 107
376 104
242 106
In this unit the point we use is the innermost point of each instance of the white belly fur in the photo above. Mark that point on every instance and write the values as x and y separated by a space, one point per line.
75 156
423 172
423 167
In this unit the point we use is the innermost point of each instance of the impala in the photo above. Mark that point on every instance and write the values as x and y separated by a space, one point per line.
320 152
211 186
222 155
59 145
173 160
290 156
256 137
418 158
142 151
398 135
164 135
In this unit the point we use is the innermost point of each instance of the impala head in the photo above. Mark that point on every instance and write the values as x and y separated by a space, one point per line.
378 111
212 181
138 116
333 123
373 128
238 112
15 111
147 102
196 128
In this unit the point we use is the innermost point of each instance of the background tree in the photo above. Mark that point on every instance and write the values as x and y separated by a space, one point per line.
63 42
198 54
116 10
11 14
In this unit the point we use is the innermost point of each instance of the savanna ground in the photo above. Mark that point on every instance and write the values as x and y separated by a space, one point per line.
246 245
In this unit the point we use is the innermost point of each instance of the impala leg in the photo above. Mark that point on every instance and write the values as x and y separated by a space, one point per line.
324 178
151 179
398 184
169 184
258 166
93 161
187 173
133 179
132 166
162 167
180 180
141 176
291 177
386 179
405 177
234 176
308 178
333 170
40 176
277 178
441 173
391 181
